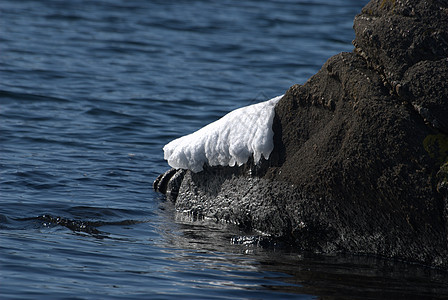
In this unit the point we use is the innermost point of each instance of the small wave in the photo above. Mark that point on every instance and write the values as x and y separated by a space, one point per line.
84 226
34 179
128 126
4 222
8 95
96 111
63 141
91 212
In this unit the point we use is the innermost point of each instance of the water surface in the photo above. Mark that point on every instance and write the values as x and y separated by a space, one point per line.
90 91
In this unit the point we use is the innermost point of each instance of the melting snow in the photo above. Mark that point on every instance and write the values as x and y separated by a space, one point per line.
228 141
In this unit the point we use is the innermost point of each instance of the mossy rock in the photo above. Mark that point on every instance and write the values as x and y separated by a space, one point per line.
437 147
389 3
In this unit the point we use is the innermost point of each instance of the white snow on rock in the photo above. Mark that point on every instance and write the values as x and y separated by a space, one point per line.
228 141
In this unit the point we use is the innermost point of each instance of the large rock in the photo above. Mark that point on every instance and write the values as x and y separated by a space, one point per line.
360 158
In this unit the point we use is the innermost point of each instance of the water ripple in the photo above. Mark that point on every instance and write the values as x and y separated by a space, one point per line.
90 91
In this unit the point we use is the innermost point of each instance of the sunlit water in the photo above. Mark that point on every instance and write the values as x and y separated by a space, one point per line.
90 91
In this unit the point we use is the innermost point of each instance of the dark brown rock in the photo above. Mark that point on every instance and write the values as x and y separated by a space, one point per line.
361 149
406 42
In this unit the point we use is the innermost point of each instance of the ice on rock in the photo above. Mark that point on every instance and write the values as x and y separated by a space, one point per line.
228 141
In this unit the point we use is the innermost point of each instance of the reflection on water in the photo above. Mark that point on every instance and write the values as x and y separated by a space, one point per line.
297 273
133 253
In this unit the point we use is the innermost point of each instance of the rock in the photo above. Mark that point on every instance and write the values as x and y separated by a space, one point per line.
360 150
407 43
425 86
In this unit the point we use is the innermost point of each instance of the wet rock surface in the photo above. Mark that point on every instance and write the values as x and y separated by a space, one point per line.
361 149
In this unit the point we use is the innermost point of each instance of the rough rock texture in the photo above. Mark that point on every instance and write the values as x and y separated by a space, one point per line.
360 162
407 43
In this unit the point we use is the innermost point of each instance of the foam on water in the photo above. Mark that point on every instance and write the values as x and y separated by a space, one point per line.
228 141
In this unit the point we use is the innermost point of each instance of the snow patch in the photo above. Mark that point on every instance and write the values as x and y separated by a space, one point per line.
228 141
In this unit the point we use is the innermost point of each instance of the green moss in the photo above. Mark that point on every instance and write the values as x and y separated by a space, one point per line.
437 147
388 3
443 173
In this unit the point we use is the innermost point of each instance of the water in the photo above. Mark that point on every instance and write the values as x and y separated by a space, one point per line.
90 91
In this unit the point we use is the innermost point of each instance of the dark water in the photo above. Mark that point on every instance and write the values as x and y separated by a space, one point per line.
90 91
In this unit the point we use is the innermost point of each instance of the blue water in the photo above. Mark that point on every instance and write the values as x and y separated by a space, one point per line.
90 91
